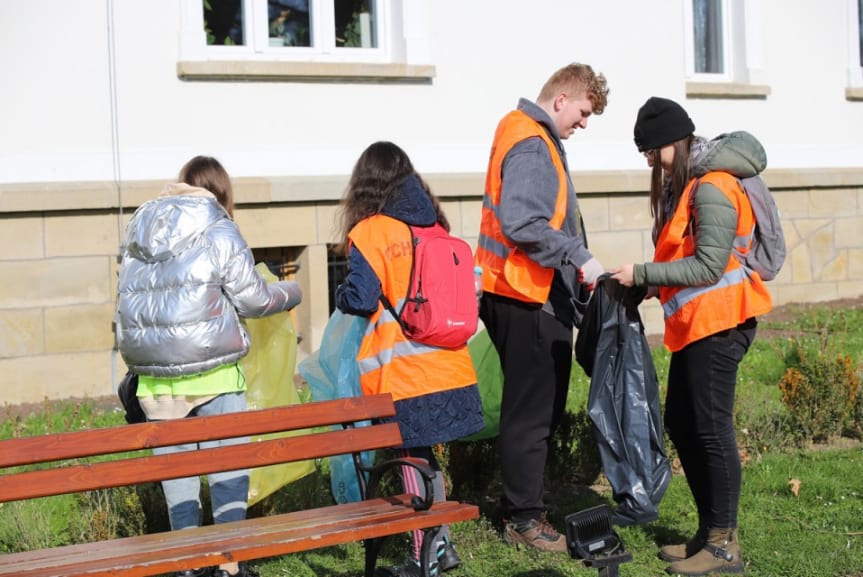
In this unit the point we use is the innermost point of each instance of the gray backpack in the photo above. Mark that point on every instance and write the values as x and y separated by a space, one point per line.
767 253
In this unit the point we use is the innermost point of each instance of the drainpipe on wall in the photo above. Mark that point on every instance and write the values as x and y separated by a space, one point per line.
115 148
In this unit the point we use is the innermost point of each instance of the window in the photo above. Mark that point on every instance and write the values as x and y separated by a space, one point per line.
707 30
318 24
369 39
723 49
854 90
337 272
709 50
860 31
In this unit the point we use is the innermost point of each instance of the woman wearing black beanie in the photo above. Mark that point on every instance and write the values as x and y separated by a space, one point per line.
710 301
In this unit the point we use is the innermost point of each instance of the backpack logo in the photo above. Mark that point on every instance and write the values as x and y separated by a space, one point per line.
440 307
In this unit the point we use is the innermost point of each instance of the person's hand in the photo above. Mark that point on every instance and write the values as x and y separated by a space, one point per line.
589 272
624 274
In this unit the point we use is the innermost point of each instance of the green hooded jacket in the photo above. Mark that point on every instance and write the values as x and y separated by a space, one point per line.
715 219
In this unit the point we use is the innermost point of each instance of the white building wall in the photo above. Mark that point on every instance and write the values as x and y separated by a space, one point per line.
90 97
56 115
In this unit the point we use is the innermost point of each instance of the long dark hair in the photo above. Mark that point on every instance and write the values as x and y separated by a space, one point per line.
679 176
376 177
206 172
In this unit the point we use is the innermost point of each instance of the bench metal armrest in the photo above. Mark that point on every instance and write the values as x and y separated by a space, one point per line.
376 472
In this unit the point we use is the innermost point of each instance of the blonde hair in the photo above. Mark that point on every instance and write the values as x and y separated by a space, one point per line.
576 78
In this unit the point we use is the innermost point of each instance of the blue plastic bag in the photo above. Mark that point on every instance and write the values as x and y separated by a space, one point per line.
332 372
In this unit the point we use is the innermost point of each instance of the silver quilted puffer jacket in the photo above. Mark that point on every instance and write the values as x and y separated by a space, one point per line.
186 278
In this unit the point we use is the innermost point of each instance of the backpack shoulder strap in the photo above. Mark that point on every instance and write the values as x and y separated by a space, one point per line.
397 315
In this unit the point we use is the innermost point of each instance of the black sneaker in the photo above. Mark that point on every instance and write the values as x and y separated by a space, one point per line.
202 572
536 533
447 558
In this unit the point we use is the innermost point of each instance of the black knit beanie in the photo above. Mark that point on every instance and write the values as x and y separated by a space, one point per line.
661 121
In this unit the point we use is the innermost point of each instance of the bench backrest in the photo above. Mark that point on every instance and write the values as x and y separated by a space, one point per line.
132 469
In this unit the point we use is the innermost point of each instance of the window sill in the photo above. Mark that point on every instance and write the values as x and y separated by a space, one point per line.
727 90
854 93
281 71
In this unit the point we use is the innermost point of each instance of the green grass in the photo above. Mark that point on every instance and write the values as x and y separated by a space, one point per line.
816 533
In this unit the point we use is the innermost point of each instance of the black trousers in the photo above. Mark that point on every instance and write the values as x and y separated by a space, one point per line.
535 352
699 418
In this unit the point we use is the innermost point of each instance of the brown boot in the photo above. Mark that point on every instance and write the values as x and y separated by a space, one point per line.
536 533
672 553
720 554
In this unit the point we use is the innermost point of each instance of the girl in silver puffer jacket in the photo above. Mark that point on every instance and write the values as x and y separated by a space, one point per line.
187 278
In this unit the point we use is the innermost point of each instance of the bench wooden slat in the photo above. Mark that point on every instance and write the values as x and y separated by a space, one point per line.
215 544
59 446
46 482
237 541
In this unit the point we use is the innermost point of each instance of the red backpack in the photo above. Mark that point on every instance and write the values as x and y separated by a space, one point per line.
440 307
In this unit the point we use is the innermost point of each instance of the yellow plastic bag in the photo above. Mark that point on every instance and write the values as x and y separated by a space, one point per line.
269 371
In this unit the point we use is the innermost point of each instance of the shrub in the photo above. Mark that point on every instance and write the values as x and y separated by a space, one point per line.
574 455
820 393
855 425
107 514
474 467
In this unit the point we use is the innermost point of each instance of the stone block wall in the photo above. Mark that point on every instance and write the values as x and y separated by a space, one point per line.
59 246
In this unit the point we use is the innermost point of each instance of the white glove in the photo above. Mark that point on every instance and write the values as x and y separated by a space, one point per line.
589 272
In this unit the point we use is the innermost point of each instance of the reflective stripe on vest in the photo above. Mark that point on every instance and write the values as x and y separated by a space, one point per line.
686 294
399 349
388 361
693 313
507 271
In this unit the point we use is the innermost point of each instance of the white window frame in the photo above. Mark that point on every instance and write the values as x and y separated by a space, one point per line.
727 44
855 59
321 18
402 32
744 74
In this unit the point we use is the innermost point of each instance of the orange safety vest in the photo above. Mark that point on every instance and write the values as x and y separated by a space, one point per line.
692 313
388 361
506 270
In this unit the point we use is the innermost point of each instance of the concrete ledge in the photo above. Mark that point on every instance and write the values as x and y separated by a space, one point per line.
287 71
854 93
77 196
727 90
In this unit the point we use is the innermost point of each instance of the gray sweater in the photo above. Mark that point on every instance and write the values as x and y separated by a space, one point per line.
528 195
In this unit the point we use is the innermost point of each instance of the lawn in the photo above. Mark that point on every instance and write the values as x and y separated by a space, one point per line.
801 511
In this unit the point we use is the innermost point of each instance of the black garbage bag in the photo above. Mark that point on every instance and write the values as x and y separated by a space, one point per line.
624 401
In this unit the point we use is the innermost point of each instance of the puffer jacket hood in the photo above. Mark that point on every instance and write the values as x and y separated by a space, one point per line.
164 227
738 153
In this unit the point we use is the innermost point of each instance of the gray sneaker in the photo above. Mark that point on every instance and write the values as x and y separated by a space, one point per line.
243 572
536 533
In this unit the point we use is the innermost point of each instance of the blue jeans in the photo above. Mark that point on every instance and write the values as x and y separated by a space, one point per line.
699 418
229 491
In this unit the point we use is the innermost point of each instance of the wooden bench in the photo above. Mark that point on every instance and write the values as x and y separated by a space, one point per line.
370 521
